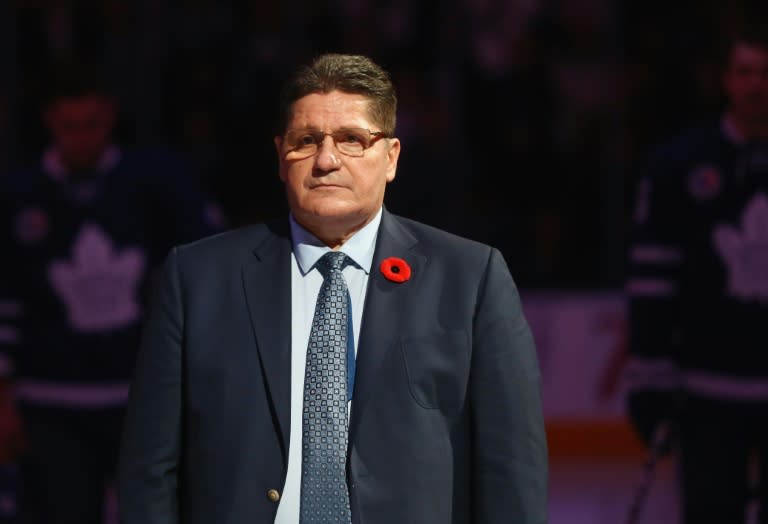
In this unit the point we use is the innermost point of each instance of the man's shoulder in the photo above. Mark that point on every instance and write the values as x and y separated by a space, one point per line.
158 170
23 182
439 242
232 245
455 261
695 142
151 158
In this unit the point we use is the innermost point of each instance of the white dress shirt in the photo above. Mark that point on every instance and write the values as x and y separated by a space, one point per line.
305 286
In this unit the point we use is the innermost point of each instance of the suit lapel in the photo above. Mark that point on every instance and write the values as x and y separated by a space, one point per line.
384 303
267 284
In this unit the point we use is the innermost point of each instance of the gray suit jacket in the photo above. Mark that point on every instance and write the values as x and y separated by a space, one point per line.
446 425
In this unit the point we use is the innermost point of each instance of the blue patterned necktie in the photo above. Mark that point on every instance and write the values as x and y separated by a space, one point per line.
324 495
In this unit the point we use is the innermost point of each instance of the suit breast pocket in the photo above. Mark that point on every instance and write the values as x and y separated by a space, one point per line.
438 369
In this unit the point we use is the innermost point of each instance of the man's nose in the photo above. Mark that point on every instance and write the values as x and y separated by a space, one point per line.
327 157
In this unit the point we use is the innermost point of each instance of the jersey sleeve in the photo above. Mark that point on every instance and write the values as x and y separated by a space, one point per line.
656 255
11 300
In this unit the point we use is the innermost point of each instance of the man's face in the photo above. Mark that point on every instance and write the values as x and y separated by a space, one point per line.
81 128
330 192
746 83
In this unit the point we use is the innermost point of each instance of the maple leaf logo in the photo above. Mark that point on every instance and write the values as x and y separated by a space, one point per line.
745 252
99 285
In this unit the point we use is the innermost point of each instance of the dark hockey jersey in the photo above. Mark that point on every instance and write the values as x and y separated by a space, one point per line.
76 270
698 285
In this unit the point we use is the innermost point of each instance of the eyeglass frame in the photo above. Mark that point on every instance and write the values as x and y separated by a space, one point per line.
375 136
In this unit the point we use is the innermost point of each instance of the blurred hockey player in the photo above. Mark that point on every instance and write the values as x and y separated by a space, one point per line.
698 295
80 235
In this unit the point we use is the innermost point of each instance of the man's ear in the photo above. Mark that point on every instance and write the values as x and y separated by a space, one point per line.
278 141
392 156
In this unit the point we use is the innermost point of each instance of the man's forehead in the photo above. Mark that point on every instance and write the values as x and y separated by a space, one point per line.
333 105
80 102
748 52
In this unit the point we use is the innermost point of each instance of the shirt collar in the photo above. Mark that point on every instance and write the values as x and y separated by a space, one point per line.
55 168
359 247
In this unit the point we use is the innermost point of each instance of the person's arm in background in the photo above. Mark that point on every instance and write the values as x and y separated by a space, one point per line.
12 312
11 437
655 260
11 317
510 450
151 446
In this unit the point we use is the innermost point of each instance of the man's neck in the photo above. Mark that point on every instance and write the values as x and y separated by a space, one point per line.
335 235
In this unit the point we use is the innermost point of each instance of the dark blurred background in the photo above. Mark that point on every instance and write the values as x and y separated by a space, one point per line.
522 121
523 124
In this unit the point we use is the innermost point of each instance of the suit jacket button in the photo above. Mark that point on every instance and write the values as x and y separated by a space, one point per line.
273 495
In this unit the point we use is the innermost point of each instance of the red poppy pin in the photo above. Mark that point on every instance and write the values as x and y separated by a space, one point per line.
395 269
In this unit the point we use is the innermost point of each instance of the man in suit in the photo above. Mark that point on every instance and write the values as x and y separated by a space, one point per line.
441 417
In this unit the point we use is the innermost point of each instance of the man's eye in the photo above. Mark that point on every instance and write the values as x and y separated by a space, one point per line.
306 140
353 138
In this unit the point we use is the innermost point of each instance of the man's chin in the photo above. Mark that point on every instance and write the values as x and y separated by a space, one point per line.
333 217
332 209
338 218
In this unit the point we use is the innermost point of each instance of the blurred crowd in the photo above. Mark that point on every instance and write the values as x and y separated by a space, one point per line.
521 119
524 123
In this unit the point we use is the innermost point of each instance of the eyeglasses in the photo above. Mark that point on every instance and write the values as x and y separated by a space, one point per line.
304 143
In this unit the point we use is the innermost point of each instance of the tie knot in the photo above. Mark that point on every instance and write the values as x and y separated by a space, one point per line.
332 261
